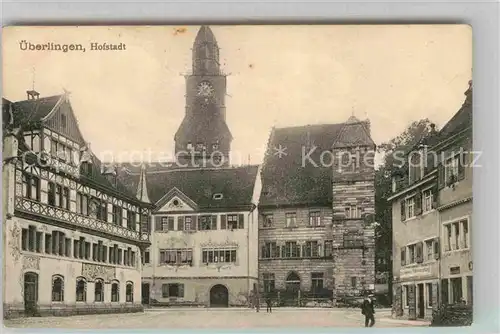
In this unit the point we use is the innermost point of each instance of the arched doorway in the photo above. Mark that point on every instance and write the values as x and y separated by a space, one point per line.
219 296
30 293
145 293
292 282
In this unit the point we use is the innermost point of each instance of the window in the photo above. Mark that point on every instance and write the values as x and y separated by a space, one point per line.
316 281
352 211
99 291
315 218
218 255
448 237
129 292
353 240
31 186
39 242
117 215
57 288
410 208
102 210
115 292
451 170
131 222
291 249
82 203
465 227
215 146
268 220
81 289
412 253
188 223
328 248
232 222
311 249
176 256
217 197
354 282
146 259
29 239
427 200
291 219
172 290
269 283
456 289
167 224
429 294
207 223
457 235
405 296
429 249
270 250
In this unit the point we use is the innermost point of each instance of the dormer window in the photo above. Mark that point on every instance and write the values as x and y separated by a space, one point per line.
189 146
200 147
218 196
215 146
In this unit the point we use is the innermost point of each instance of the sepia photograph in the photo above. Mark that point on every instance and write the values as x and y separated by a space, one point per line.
237 176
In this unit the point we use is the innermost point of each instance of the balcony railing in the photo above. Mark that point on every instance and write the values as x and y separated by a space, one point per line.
78 220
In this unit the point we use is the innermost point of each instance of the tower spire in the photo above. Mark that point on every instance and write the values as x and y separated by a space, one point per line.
205 53
142 190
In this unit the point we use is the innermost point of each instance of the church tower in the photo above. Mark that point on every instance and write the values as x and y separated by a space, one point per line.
203 138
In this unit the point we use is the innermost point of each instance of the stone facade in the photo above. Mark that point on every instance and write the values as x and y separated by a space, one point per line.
304 265
353 189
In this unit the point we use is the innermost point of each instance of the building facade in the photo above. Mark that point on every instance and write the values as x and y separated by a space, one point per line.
432 216
316 238
73 235
205 221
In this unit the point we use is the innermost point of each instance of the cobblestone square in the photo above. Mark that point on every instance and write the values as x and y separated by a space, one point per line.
215 318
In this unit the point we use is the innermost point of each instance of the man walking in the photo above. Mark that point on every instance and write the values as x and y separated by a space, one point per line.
368 311
269 303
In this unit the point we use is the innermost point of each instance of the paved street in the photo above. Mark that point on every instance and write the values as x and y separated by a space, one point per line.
215 318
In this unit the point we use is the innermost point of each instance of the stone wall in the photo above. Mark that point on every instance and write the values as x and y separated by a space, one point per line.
353 186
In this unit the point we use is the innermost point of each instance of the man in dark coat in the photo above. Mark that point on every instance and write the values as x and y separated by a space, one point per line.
368 311
269 303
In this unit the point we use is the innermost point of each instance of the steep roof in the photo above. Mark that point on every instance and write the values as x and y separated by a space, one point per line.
461 120
236 184
285 180
205 35
35 109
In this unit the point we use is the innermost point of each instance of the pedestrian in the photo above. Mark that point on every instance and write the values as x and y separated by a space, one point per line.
257 303
368 311
269 304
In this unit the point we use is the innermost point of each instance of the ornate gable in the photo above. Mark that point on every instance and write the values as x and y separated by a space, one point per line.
175 200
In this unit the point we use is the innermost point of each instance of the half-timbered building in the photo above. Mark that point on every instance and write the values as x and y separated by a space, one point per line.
72 234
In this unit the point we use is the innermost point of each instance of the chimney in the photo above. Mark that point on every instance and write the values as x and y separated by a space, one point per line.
32 94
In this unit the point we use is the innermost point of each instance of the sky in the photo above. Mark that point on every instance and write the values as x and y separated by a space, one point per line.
130 103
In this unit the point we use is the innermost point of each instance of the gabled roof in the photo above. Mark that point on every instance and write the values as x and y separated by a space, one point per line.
236 184
285 180
35 109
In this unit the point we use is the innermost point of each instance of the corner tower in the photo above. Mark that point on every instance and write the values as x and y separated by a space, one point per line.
203 138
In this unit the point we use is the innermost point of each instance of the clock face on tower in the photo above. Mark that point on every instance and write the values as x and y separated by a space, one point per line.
205 89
